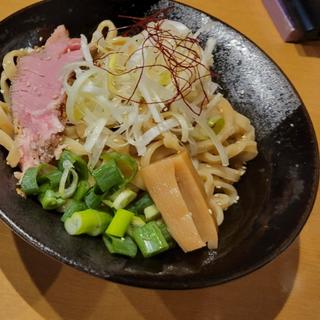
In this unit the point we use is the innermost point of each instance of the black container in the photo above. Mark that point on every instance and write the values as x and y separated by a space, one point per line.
276 194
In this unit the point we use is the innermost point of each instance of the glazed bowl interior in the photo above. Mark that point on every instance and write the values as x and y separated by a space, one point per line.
276 193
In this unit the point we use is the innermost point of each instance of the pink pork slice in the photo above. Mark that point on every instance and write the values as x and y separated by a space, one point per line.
38 97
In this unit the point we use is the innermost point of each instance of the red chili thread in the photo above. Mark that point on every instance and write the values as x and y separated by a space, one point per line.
175 61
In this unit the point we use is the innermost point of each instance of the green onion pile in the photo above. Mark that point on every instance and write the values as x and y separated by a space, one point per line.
101 202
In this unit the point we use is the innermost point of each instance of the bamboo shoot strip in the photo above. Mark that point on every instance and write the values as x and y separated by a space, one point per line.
195 197
161 182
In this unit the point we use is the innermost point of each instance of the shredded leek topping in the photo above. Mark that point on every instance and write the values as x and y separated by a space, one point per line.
133 89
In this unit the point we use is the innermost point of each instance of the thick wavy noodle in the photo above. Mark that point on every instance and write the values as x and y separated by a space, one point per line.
9 71
6 124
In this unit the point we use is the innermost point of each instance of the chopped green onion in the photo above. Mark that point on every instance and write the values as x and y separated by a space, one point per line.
90 221
109 203
71 207
53 177
121 199
139 205
124 246
114 195
69 191
29 184
164 230
216 123
50 200
79 164
93 199
91 180
150 239
125 162
44 187
151 213
108 175
130 230
51 174
82 189
137 221
119 223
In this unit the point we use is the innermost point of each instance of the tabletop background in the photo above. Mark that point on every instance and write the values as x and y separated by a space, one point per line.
33 286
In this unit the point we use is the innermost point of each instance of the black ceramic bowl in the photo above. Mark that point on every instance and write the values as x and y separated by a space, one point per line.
276 194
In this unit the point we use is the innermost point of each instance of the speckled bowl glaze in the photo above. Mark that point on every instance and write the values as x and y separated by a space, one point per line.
276 194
